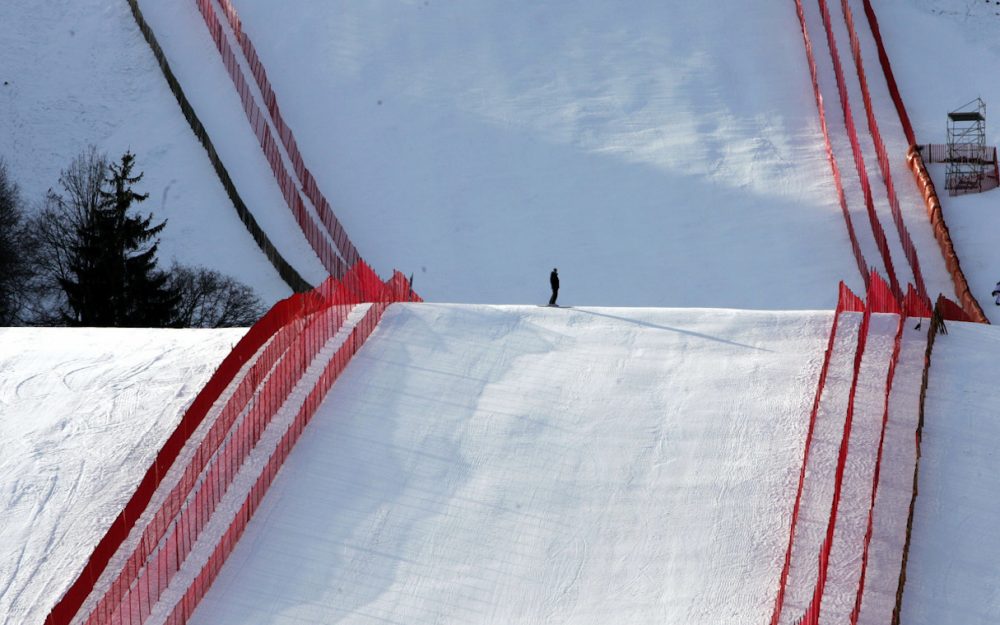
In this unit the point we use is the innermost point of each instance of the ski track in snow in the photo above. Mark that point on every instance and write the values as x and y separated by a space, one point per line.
83 413
476 146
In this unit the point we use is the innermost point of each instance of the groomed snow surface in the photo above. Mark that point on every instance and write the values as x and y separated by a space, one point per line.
83 412
522 465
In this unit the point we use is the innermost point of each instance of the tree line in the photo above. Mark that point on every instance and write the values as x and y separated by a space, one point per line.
88 257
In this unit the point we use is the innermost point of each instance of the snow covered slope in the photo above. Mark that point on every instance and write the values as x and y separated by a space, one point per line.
659 155
526 465
953 575
82 414
78 72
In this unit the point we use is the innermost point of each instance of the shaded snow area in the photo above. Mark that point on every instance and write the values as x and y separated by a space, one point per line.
79 72
953 575
82 414
663 155
945 53
524 465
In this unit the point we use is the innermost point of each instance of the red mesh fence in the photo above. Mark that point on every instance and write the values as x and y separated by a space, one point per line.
846 301
909 249
183 609
869 527
932 332
309 185
890 78
880 299
859 162
812 612
834 167
972 310
970 305
291 335
324 242
943 153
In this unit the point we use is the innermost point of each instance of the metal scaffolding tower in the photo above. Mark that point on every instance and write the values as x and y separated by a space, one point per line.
968 160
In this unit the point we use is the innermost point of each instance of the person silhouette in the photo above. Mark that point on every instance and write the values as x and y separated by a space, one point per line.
996 293
554 283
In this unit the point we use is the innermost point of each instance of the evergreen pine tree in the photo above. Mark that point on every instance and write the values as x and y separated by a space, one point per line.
113 279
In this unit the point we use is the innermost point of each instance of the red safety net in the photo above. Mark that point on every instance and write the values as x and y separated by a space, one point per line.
880 299
869 527
973 310
915 306
890 78
859 161
846 302
280 349
970 305
284 132
812 612
950 311
909 249
329 241
831 158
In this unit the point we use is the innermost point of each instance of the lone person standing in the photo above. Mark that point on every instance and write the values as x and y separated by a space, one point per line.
554 281
996 293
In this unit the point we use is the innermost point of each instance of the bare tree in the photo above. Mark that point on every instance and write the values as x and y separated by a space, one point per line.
210 299
54 229
15 260
207 299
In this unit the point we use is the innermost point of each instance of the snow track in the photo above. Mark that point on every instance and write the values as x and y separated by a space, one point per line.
82 414
525 465
817 491
845 554
895 486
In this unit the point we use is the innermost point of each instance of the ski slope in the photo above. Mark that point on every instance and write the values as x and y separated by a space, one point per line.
82 414
525 465
953 576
